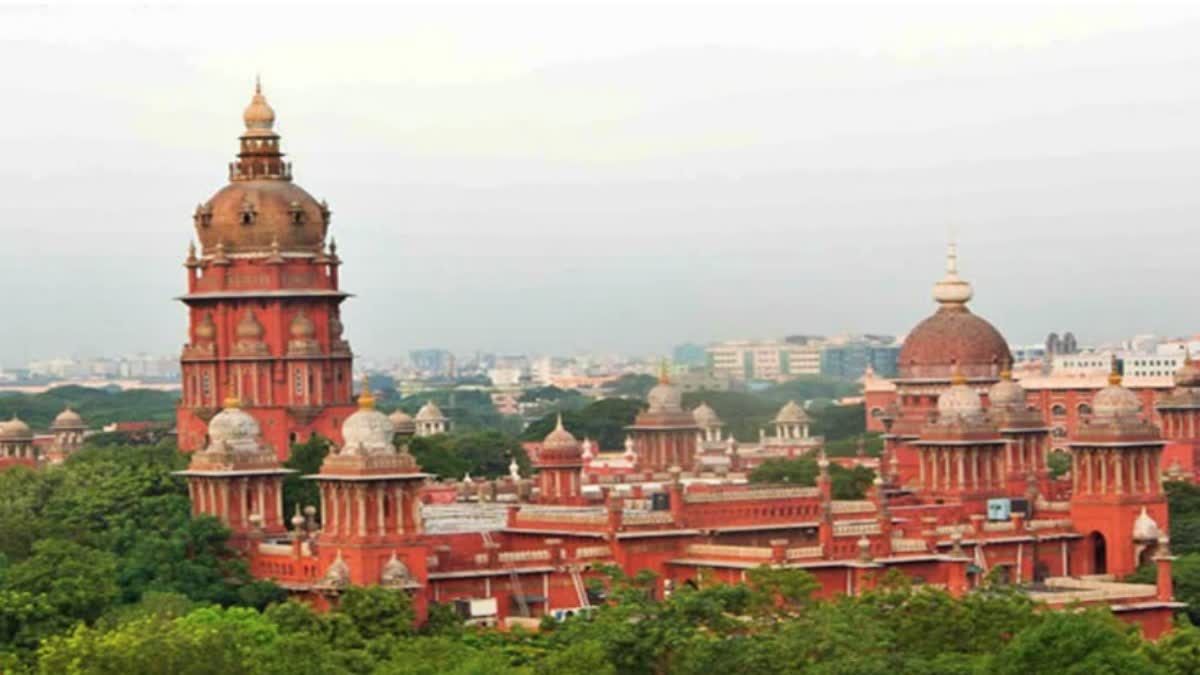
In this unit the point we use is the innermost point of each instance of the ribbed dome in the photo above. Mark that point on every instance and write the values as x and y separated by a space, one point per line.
791 413
706 417
368 431
15 430
261 210
402 422
959 400
1007 393
235 428
277 211
68 419
1115 400
953 337
560 438
665 397
259 116
430 413
249 328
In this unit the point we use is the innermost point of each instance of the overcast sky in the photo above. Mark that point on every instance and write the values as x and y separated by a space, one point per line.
566 178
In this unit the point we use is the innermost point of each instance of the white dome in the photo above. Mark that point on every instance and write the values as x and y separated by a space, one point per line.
1115 400
705 416
368 430
1144 528
1007 394
67 419
791 413
430 413
235 428
665 397
15 429
959 400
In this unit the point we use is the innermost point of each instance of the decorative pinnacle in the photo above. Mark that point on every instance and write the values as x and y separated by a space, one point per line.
957 377
952 290
366 400
663 376
232 401
1114 377
257 84
559 425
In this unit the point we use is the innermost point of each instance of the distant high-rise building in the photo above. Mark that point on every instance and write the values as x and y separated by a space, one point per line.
849 360
689 354
774 361
432 362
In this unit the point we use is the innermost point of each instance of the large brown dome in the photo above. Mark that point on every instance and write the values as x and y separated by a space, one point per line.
952 337
261 208
249 215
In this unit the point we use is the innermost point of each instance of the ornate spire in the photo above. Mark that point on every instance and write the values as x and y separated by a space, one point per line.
952 291
232 401
663 375
1114 377
260 158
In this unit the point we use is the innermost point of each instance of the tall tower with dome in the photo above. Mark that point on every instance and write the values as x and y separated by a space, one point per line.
264 303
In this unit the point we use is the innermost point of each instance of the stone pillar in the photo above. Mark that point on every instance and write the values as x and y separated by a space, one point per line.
1163 560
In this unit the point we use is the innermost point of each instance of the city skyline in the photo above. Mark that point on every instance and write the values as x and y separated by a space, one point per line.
729 205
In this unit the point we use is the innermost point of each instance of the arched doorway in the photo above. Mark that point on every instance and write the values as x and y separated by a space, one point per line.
1099 553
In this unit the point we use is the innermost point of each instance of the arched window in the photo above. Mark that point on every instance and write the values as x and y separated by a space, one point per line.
1059 432
1084 409
1058 410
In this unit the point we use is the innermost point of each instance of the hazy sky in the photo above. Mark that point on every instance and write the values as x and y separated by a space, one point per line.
573 178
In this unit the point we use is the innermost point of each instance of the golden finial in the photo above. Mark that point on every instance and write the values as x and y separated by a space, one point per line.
1114 378
257 84
1006 371
663 375
366 400
232 400
957 377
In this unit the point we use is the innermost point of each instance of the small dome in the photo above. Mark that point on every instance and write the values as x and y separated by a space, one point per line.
68 419
791 413
959 400
234 427
430 413
1115 400
15 430
402 422
665 397
1144 528
1188 374
249 328
953 337
258 116
302 327
706 417
368 430
560 438
1007 393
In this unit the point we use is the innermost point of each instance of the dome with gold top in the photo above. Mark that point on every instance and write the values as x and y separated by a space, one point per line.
367 430
261 204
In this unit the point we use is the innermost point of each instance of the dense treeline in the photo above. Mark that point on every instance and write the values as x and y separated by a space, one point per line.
97 406
86 540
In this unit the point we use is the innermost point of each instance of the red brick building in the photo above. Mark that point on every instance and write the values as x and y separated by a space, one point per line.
965 492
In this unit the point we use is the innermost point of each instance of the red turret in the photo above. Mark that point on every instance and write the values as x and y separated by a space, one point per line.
263 302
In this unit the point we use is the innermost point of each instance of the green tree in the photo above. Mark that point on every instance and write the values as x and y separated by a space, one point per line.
603 421
632 385
305 459
1082 642
77 581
